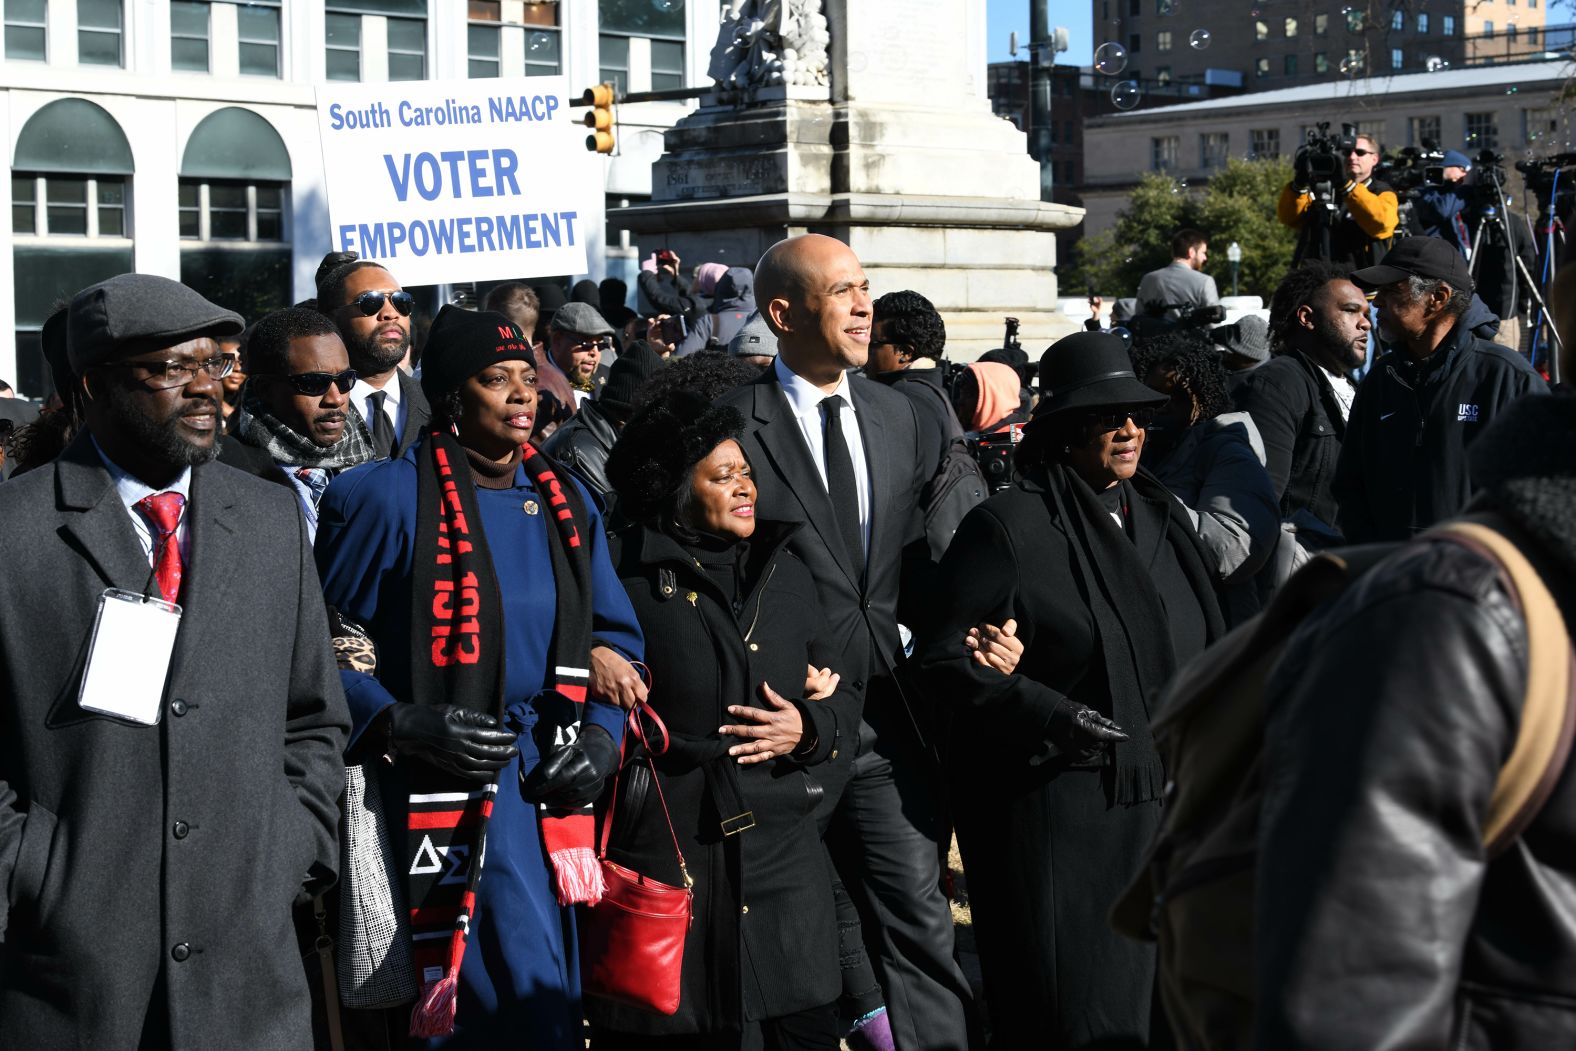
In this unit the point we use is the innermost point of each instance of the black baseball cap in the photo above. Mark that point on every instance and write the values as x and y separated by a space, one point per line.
1427 257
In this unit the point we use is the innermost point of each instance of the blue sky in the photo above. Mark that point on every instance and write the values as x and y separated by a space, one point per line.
1003 16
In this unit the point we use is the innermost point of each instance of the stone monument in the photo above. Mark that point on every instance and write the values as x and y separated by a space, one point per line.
869 122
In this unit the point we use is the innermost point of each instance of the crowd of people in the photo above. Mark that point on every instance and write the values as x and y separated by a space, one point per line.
331 697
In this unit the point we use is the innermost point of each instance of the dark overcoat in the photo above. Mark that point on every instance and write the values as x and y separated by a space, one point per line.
764 939
1045 850
131 850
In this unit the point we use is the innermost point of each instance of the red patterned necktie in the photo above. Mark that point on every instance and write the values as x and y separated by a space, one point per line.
164 511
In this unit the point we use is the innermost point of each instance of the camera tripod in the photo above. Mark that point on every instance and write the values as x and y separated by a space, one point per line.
1491 219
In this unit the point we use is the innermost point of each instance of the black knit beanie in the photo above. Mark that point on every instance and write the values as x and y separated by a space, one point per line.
463 342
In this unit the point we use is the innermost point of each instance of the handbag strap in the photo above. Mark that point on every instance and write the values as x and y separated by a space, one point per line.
635 726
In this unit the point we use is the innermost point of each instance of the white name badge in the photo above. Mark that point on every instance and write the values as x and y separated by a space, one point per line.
129 657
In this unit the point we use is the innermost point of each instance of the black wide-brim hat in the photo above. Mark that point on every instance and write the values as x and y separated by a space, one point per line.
1090 370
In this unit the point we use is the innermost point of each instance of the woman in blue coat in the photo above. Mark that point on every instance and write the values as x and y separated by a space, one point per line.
480 573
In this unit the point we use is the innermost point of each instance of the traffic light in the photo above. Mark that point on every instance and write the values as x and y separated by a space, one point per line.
599 118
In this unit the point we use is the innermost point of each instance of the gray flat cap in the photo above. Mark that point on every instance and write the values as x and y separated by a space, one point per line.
135 313
582 319
755 339
1248 337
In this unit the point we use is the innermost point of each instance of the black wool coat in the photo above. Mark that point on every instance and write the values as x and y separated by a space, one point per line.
1045 849
764 939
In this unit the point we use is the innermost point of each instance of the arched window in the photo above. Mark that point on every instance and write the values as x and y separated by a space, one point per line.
235 212
70 217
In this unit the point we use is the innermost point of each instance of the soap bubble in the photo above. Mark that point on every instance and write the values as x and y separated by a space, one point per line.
1434 63
1167 7
667 6
1110 58
1200 39
1126 94
1254 12
1352 65
1512 90
539 42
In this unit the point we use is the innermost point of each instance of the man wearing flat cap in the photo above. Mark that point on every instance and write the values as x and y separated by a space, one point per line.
578 337
164 794
1403 464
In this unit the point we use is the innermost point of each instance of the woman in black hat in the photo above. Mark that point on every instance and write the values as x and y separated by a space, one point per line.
480 571
1055 783
732 626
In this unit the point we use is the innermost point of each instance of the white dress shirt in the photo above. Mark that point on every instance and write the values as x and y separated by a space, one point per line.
131 489
804 401
392 405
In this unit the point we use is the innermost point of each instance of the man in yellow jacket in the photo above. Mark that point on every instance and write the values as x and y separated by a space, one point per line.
1363 216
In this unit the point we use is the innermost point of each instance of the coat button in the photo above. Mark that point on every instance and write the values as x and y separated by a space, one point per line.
178 707
181 953
744 910
182 830
859 684
753 647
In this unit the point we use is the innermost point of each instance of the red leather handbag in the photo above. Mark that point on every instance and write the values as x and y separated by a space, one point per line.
632 941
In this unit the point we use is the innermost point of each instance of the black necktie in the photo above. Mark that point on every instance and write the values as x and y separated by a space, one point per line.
840 485
383 441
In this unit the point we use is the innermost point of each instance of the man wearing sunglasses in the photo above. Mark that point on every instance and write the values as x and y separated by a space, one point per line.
294 423
373 315
151 851
1365 209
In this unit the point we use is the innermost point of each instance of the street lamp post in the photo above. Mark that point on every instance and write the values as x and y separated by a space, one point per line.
1234 253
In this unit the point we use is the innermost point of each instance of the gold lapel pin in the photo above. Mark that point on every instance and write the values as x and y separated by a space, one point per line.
690 597
530 507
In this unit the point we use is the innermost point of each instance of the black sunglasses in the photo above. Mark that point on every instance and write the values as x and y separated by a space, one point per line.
370 303
316 384
1359 151
1112 419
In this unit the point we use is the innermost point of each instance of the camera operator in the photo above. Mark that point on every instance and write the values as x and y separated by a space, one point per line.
1441 206
1360 214
1182 283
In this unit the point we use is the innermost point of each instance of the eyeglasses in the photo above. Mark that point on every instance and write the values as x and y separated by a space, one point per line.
316 384
1359 151
1114 419
163 375
370 303
593 343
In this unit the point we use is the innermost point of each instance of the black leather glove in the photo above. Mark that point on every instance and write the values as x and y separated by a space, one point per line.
1078 730
458 741
572 776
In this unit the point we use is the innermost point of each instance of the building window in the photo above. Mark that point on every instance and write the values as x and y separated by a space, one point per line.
407 49
1398 20
53 205
1420 128
1541 127
1354 19
1510 31
1261 31
215 210
1321 25
1422 21
1163 150
1133 8
1291 28
1261 67
1135 41
1289 65
1321 62
1532 35
1397 59
344 46
1488 28
543 54
1447 25
98 32
1481 131
189 36
1353 62
1163 75
1373 131
482 50
1213 147
1266 143
25 35
1163 40
257 27
630 24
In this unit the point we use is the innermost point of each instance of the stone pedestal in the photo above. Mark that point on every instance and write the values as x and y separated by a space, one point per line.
901 158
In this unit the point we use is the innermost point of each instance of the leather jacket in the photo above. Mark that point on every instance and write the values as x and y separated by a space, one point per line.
583 443
1380 921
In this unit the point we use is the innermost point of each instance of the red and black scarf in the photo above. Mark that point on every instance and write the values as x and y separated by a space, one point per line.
457 647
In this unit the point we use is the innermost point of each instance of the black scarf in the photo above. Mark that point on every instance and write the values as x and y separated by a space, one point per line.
458 627
1129 619
255 425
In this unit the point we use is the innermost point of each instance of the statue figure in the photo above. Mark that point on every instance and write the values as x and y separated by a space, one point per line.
770 43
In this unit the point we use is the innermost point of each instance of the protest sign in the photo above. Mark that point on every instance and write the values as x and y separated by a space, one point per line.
467 180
